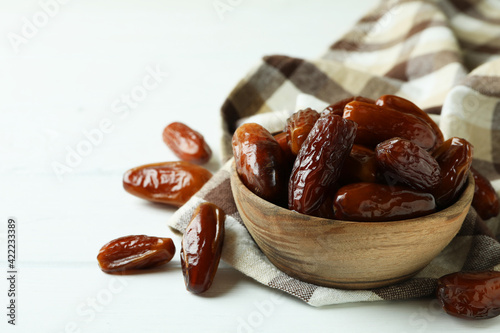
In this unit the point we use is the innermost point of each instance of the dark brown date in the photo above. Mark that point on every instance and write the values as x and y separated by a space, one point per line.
338 108
377 124
289 159
172 183
485 199
405 106
470 295
326 209
135 252
402 162
369 202
186 143
259 161
455 159
319 162
282 139
360 166
202 247
298 127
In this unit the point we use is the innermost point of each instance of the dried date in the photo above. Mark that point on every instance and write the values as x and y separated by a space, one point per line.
135 252
172 183
377 124
403 162
202 247
186 143
485 199
298 127
455 160
470 295
338 108
405 106
370 202
282 139
259 161
360 166
325 210
319 162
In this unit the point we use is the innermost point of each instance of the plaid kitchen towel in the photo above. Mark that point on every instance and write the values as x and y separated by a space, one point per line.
442 55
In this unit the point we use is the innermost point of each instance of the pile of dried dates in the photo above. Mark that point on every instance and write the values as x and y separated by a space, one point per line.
371 161
173 183
358 160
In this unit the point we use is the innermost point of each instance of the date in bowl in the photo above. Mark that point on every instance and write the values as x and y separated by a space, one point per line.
343 254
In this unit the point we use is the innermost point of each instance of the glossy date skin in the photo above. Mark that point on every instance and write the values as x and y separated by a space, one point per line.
485 199
338 108
470 295
455 160
319 162
135 252
259 161
172 183
289 159
282 139
298 127
186 143
359 166
325 210
403 105
377 124
202 247
402 162
370 202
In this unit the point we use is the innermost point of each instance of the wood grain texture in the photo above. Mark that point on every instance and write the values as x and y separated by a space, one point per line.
349 255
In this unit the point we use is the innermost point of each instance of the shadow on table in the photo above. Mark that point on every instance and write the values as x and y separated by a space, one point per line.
150 271
226 279
160 206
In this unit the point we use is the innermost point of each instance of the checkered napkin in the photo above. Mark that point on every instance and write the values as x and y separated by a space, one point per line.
442 55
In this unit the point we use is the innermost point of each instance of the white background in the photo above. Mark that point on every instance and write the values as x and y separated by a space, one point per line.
63 80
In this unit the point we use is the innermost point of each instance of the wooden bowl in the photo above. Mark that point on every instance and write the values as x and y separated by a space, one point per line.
343 254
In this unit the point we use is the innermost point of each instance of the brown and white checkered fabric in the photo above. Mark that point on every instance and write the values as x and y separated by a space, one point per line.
442 55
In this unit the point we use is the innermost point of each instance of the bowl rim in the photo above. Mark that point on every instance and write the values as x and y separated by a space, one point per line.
463 202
